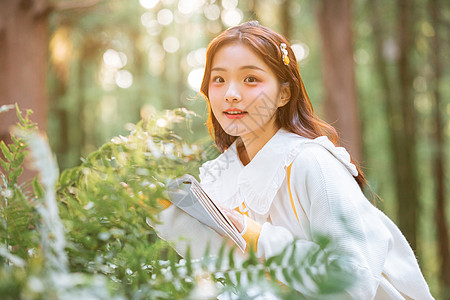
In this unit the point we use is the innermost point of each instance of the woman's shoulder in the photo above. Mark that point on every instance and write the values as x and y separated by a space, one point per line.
322 155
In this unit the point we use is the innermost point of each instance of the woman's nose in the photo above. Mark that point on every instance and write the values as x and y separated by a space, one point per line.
233 93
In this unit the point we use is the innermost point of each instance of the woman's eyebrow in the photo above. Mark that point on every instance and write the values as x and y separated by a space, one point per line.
252 67
218 69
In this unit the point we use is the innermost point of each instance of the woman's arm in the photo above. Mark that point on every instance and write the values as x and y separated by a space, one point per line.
336 208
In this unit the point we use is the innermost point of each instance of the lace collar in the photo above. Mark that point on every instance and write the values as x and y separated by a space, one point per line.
230 183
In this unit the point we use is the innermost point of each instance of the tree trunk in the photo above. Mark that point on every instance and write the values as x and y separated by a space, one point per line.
439 155
408 183
23 61
286 22
341 107
388 99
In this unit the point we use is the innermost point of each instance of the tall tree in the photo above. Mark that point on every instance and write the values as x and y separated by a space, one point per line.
23 59
286 21
408 199
439 154
341 106
23 62
24 37
398 103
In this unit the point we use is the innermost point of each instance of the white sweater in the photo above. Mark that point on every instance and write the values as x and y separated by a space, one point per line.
324 199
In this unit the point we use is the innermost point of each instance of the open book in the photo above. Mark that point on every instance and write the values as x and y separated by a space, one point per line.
187 194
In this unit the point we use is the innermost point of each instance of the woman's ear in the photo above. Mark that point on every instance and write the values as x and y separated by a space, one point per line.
285 94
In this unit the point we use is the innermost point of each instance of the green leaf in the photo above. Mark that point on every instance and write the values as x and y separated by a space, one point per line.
15 174
16 141
18 161
249 274
38 190
273 276
13 148
292 257
220 257
66 177
6 153
172 259
261 274
19 115
228 279
231 258
188 261
4 164
287 276
297 275
29 113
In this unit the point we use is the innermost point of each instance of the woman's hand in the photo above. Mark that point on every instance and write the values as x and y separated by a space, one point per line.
236 218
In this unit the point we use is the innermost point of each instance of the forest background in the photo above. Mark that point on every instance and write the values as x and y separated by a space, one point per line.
377 70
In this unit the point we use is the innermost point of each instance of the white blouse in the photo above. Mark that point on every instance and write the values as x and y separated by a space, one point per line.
323 199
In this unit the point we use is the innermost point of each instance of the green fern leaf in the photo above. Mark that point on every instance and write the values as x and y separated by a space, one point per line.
18 161
220 257
19 115
16 141
188 261
6 152
4 164
15 174
231 258
38 190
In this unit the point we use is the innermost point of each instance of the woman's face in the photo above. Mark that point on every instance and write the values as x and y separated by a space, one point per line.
244 93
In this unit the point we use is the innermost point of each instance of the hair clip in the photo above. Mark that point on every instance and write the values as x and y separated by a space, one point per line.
284 52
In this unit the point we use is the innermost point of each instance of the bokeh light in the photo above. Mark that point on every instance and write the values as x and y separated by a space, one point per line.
232 17
153 27
229 4
301 51
188 7
124 79
361 57
165 17
148 3
390 49
171 44
115 58
196 58
195 78
161 122
212 12
147 18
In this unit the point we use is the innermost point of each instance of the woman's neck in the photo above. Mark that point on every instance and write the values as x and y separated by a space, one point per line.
248 146
242 152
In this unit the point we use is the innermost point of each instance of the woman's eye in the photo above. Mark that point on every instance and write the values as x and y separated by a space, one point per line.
218 79
251 79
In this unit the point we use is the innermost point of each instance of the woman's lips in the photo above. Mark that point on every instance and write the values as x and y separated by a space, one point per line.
234 113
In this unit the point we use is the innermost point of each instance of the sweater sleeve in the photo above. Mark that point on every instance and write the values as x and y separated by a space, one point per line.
336 208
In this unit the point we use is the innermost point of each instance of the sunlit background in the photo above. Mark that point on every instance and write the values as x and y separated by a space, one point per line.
113 63
123 60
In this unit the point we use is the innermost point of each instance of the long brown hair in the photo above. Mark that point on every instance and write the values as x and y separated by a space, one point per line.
297 115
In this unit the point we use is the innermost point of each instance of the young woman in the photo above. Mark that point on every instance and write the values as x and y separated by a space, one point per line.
280 177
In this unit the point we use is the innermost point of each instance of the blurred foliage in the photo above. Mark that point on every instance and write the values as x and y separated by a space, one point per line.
84 234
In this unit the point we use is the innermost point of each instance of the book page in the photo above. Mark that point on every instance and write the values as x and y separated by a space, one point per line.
187 194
